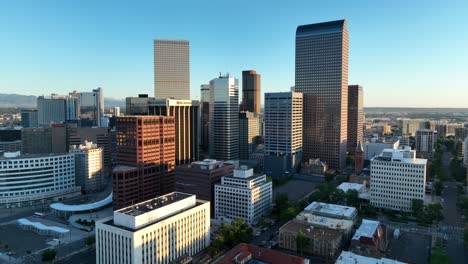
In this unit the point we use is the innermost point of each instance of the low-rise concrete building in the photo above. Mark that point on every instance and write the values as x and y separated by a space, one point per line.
324 242
370 239
160 230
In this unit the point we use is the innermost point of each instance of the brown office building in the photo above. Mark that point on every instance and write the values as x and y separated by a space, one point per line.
146 158
322 76
324 242
355 116
250 92
44 140
186 114
200 177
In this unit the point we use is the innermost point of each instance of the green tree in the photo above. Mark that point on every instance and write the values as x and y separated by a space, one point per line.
238 232
417 206
48 255
439 256
352 198
465 236
438 187
90 240
302 242
433 213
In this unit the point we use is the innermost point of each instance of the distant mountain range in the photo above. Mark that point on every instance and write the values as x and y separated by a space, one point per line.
29 101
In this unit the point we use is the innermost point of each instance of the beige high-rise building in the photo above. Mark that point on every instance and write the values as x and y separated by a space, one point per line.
171 69
161 230
322 76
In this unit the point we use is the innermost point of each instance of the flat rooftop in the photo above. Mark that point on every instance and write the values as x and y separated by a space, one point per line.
333 223
367 229
294 226
347 257
121 168
330 209
346 186
153 204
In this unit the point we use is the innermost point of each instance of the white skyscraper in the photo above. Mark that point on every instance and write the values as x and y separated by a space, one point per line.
242 195
283 132
159 230
224 118
397 178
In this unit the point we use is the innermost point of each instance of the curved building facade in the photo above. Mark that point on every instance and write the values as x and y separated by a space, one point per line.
29 179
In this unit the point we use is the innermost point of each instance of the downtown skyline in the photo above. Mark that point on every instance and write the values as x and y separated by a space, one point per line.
389 51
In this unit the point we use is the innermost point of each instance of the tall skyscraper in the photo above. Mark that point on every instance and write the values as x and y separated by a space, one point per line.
355 116
322 76
250 91
283 132
186 114
56 109
146 158
171 69
224 118
205 115
249 133
91 107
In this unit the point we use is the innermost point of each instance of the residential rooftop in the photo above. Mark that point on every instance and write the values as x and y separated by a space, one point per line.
346 186
367 229
331 210
294 226
347 257
323 221
250 254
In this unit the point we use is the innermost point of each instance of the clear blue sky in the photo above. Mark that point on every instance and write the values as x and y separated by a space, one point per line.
404 53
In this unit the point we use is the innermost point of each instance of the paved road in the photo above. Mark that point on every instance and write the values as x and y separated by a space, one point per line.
85 257
452 217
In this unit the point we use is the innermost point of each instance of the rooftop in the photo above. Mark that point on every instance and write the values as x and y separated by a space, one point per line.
405 155
121 168
367 229
351 258
321 28
330 209
333 223
252 255
310 231
153 204
18 155
346 186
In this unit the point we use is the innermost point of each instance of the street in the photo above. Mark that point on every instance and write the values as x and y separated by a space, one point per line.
452 217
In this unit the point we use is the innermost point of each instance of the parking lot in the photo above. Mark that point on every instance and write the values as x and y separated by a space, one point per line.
29 241
296 189
410 247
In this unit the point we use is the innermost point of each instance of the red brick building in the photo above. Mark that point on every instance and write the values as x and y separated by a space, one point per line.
146 158
243 253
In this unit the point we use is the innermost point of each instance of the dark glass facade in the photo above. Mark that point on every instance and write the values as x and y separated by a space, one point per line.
322 76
